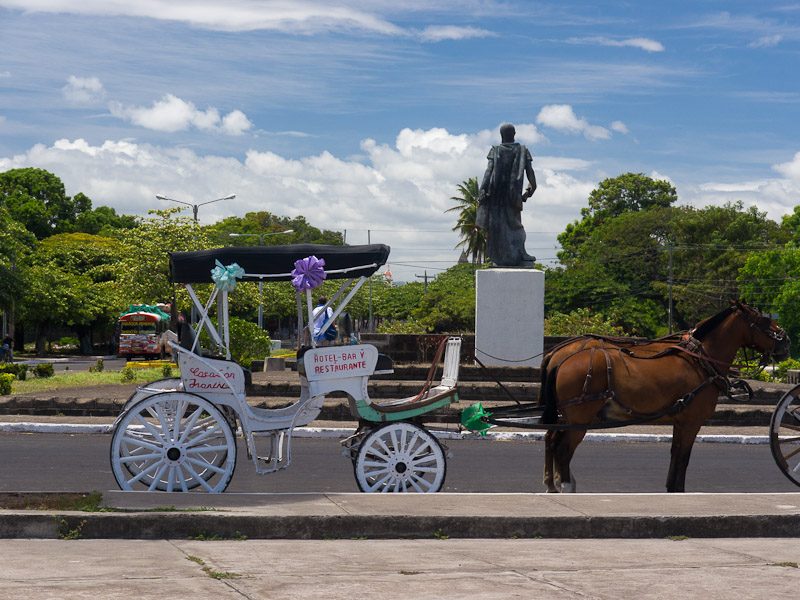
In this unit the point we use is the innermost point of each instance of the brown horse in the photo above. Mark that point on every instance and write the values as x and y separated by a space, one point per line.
671 381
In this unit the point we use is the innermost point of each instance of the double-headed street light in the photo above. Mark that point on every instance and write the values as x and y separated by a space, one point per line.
261 237
195 206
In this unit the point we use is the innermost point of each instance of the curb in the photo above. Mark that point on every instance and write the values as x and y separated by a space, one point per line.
343 432
185 525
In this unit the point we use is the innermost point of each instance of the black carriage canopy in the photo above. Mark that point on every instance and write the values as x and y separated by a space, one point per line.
195 267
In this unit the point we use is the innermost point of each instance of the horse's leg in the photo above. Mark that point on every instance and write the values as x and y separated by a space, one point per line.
564 451
549 443
683 437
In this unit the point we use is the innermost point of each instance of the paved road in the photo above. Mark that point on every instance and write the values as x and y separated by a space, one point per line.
42 462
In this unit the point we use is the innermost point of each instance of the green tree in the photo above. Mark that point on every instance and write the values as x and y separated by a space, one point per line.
15 243
613 197
71 281
103 221
259 223
473 238
144 275
37 199
449 305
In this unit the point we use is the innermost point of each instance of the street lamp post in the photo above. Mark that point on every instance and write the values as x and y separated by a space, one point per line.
261 237
195 206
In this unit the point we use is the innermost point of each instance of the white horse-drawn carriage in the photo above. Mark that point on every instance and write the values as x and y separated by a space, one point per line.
180 434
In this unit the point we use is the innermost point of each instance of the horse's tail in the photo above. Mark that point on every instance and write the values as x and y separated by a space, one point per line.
547 395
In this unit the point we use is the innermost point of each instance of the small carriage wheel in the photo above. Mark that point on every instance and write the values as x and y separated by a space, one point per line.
173 442
400 457
784 435
740 391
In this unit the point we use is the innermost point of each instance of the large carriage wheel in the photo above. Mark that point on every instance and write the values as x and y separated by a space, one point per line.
400 457
173 442
784 435
153 387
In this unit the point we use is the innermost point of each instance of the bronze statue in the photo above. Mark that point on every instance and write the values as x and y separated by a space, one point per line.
500 201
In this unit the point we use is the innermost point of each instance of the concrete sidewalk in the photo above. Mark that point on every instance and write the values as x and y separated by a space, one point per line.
445 569
145 515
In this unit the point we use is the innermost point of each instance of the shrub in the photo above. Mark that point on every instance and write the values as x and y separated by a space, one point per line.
411 325
128 375
19 371
5 383
580 322
166 370
43 370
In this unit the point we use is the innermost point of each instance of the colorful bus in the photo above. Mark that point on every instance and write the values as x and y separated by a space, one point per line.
143 330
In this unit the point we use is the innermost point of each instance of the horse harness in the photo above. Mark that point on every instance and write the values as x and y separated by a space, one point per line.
688 346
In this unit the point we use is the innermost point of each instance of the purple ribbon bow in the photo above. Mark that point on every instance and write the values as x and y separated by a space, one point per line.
308 273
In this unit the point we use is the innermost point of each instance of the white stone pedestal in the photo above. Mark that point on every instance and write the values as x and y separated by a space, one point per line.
509 317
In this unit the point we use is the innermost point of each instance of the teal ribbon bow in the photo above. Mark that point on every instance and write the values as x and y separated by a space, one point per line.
225 277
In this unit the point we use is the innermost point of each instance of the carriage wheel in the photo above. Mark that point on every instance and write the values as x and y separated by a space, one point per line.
152 387
173 442
400 457
784 435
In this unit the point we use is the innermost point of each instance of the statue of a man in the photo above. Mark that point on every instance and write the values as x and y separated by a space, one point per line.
500 201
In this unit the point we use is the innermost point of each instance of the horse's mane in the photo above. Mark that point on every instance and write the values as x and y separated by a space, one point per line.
710 324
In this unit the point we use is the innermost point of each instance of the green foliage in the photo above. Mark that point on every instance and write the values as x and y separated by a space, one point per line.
166 370
408 326
37 199
144 259
779 373
579 322
449 305
43 370
99 367
127 374
613 197
248 342
19 371
473 239
263 222
5 383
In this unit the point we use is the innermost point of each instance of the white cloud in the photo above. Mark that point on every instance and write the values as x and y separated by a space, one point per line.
639 42
172 114
290 16
83 90
399 191
5 74
766 41
562 118
451 32
790 170
620 127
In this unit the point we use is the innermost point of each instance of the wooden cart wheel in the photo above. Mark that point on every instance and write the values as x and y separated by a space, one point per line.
173 442
400 457
784 435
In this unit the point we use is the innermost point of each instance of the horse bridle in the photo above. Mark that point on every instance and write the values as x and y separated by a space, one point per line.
756 321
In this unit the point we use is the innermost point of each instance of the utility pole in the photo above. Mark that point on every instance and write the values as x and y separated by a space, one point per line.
260 237
425 285
369 241
669 281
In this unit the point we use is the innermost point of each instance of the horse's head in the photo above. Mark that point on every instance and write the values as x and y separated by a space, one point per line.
766 336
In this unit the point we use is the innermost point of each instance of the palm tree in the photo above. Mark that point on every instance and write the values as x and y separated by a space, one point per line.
473 238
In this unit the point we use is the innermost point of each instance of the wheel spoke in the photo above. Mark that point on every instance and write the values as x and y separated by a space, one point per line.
205 465
158 477
138 457
153 431
418 482
791 454
141 443
379 482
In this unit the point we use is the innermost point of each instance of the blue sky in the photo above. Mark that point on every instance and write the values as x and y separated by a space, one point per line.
366 115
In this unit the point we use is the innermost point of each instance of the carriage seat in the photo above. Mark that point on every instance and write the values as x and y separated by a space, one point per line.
430 394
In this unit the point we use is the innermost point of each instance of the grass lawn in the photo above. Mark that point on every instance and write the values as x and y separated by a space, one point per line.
79 379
